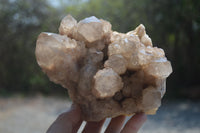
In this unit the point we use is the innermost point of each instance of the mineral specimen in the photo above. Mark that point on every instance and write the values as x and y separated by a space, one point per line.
107 73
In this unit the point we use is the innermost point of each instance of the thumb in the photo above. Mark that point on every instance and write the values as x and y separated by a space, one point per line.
73 114
67 122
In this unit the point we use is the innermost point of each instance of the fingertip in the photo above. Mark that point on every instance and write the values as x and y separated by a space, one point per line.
74 112
135 123
141 116
75 106
67 121
116 124
93 127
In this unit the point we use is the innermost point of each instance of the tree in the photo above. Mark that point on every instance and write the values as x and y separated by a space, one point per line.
21 23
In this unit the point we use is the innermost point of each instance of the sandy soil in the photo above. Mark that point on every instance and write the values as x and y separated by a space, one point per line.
34 115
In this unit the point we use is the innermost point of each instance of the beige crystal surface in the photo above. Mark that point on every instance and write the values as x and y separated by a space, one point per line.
107 73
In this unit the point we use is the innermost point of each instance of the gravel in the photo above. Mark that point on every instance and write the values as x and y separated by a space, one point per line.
35 114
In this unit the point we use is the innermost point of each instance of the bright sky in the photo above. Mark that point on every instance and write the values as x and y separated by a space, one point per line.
54 3
57 3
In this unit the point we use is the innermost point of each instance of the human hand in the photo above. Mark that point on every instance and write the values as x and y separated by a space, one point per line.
70 122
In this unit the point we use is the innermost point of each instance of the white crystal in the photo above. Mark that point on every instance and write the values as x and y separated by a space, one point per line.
90 20
66 26
102 88
117 63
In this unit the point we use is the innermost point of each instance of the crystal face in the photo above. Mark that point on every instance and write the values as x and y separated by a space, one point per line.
107 73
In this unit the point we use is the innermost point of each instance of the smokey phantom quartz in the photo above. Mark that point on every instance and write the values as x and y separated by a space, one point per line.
107 73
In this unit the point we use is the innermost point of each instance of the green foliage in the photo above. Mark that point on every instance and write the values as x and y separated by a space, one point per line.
21 23
173 25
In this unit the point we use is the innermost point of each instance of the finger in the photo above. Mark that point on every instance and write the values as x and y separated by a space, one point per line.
69 121
116 124
93 127
135 123
74 116
76 126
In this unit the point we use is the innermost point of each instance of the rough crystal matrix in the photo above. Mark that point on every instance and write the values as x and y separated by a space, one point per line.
107 73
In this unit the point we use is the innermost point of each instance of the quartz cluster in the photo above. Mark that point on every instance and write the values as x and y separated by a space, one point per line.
107 73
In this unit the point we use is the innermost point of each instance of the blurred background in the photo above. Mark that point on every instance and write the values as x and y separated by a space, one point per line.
173 25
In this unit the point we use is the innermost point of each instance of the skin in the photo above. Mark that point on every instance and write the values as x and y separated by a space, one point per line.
70 122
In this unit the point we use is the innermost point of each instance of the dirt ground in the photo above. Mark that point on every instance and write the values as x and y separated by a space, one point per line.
35 114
